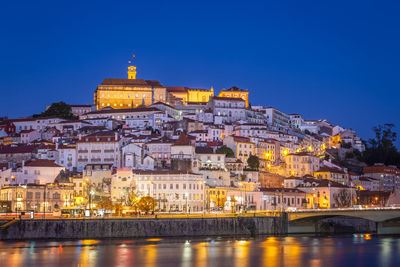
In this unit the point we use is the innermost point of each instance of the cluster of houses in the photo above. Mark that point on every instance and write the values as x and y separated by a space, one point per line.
188 156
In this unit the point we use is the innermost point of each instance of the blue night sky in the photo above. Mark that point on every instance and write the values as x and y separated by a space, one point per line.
335 60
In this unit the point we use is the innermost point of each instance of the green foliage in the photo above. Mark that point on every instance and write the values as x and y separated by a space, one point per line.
381 149
227 151
58 109
253 162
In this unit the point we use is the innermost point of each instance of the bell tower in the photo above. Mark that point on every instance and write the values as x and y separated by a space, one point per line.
131 70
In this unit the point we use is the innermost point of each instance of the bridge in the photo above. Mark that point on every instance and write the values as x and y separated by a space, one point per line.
387 220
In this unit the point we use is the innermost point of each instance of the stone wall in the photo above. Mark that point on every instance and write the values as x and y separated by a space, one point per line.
141 228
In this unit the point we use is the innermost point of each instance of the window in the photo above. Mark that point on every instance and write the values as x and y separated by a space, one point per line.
29 195
37 195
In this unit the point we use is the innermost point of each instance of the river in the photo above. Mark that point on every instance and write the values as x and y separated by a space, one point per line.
360 250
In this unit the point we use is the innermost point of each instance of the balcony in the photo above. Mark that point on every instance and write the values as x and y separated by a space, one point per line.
96 151
108 150
83 151
109 159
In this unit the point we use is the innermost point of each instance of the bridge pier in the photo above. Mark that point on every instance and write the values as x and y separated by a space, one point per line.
388 228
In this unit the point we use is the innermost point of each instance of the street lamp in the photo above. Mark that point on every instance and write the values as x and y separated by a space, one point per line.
90 201
186 196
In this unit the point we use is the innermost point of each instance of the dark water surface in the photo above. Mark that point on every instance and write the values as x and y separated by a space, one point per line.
361 250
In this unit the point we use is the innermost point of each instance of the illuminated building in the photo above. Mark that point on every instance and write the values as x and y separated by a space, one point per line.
189 95
129 93
235 92
300 164
333 174
37 197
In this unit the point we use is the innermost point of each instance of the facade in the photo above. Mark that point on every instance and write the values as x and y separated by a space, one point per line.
187 95
277 118
172 190
129 93
241 147
235 92
301 164
78 110
28 136
38 171
333 174
388 176
38 198
227 110
67 157
98 148
326 194
285 199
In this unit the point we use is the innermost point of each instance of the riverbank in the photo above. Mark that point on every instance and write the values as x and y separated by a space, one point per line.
96 228
141 228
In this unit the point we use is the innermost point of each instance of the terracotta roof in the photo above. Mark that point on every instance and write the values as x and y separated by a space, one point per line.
204 150
284 190
161 172
235 89
183 140
312 182
27 131
228 98
241 139
10 149
130 110
330 169
41 163
132 82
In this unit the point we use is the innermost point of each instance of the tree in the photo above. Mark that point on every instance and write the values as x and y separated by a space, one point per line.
381 149
105 203
59 109
253 162
133 199
343 199
233 204
146 204
227 151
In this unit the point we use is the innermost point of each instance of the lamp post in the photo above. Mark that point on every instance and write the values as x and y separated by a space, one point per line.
186 196
90 201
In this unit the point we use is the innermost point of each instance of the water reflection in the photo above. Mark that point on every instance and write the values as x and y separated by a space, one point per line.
361 250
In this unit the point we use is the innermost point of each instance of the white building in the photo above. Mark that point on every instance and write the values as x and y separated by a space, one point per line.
228 109
98 148
39 171
172 190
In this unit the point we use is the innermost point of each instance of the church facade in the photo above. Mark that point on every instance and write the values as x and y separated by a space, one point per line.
129 93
